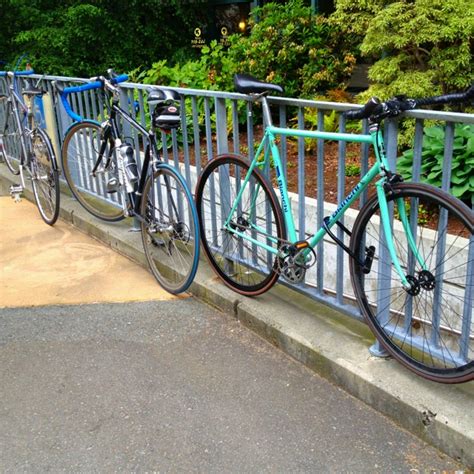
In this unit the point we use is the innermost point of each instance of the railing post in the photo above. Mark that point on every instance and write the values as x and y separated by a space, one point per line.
221 126
224 175
385 267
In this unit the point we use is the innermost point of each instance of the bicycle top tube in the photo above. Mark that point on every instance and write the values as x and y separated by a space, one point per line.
347 137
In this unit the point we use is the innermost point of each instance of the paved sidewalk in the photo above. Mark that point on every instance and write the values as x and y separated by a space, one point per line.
326 341
43 265
167 385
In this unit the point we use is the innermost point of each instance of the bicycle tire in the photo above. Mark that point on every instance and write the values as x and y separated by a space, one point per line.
169 228
242 266
426 328
11 142
79 154
44 176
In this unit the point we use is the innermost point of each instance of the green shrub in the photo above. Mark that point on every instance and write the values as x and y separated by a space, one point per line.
420 48
462 176
84 38
352 170
290 46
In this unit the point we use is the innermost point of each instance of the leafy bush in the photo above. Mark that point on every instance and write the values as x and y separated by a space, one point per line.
462 176
290 46
85 38
352 169
203 73
421 47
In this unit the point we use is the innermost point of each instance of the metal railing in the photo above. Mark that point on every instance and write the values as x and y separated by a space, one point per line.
220 122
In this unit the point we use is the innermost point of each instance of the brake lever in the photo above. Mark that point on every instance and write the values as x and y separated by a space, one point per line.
39 81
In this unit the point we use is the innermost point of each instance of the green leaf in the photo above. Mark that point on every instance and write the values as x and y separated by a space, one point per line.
470 145
434 175
435 132
458 191
458 179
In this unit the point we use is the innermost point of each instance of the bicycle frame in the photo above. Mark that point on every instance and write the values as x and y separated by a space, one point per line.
17 105
381 167
113 133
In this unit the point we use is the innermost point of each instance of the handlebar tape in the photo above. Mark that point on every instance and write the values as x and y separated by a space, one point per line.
27 72
85 87
73 89
69 110
373 106
366 111
118 79
448 98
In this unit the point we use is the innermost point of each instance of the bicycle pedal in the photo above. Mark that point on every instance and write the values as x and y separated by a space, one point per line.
15 192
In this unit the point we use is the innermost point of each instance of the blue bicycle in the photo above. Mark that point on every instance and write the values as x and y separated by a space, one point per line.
26 148
102 170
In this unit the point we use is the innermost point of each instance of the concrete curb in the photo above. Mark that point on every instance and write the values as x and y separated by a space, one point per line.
333 345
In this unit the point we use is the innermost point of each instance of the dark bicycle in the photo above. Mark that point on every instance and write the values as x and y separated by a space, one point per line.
101 169
26 147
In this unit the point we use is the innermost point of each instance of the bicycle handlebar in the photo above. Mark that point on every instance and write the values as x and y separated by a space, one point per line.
374 109
118 79
97 83
455 98
26 72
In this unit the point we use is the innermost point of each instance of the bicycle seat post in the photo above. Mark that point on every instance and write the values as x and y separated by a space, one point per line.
267 116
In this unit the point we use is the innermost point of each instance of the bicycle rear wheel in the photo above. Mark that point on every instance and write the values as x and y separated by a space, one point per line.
44 176
10 136
170 229
80 153
429 327
240 254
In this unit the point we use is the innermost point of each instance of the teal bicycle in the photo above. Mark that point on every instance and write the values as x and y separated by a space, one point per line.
411 246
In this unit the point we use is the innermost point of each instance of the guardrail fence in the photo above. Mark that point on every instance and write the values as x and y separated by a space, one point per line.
221 122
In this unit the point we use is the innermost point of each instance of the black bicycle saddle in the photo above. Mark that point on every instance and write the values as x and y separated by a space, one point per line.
246 84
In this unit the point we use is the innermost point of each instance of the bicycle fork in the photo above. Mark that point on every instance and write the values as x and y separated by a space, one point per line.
388 233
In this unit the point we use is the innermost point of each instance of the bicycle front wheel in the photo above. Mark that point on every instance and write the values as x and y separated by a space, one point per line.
44 176
427 326
241 245
97 193
170 229
11 141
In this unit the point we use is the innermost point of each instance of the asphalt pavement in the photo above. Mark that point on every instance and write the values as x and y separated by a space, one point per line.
164 384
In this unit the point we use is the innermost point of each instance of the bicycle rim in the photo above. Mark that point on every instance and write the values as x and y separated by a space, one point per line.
11 143
243 264
79 156
45 177
170 229
428 328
